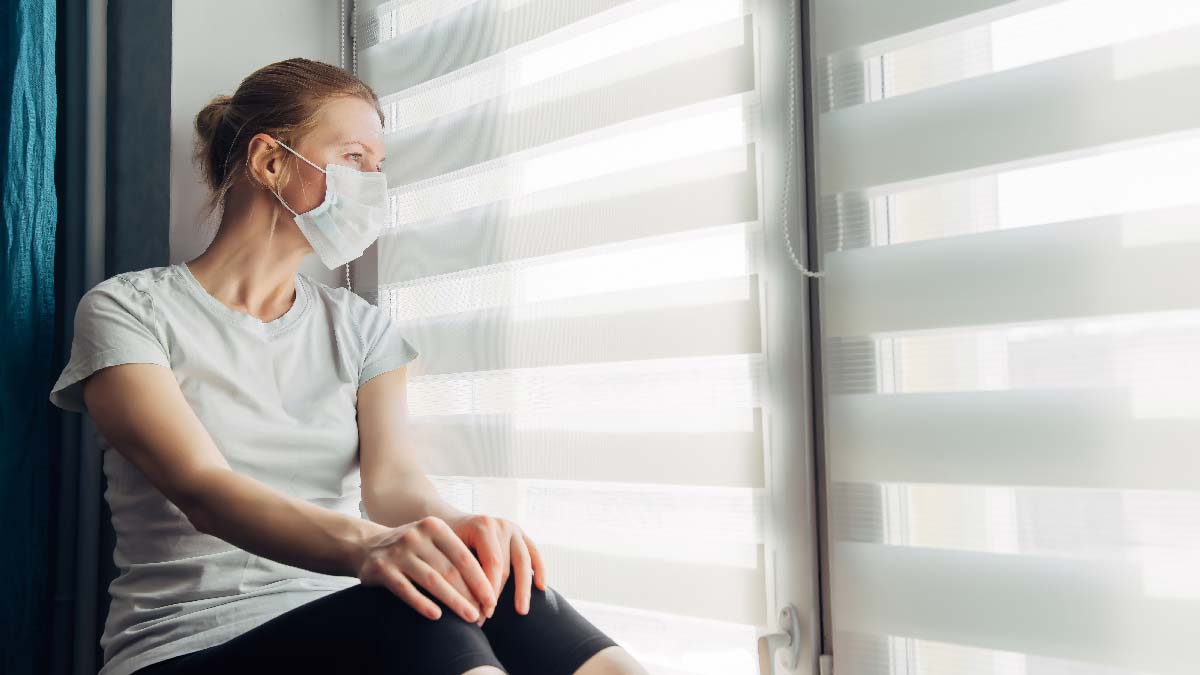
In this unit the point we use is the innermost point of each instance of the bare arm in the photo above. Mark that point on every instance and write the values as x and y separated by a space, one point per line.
395 488
140 409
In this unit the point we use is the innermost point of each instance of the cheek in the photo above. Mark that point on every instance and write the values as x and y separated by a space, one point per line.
305 193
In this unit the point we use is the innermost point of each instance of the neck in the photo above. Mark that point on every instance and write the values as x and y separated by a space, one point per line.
249 268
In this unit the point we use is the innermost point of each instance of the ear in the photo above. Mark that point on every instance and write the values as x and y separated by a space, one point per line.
263 161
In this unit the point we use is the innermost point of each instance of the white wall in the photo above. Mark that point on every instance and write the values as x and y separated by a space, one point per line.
216 43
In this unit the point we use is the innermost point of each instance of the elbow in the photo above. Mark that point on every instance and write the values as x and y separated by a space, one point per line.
382 506
190 498
196 513
370 505
199 517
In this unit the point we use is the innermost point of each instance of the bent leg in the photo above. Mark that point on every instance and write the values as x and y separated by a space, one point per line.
612 661
552 639
361 629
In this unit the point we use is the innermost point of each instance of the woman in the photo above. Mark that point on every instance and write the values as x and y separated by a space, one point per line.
253 408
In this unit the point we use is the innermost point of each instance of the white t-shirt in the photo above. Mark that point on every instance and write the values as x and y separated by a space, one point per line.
280 401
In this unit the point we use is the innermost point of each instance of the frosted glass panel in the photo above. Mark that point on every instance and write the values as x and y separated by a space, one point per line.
1011 335
575 248
877 71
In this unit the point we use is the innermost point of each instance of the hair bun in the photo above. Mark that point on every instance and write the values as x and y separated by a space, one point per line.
210 117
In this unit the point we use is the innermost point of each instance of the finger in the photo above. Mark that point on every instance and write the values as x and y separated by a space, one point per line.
397 583
539 564
434 557
524 571
453 548
432 580
492 560
489 607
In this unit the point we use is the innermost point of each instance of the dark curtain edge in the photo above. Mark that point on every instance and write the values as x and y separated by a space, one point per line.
29 210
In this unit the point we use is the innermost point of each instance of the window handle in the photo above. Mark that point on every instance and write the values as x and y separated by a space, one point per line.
787 638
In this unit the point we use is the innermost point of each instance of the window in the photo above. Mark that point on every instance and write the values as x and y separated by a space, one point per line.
1009 223
577 252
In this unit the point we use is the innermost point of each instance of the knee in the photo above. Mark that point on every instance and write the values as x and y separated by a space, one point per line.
386 609
484 670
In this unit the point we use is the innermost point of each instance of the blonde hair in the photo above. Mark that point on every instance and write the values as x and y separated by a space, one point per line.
283 99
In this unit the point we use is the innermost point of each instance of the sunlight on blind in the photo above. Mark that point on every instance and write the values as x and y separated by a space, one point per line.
575 252
1011 334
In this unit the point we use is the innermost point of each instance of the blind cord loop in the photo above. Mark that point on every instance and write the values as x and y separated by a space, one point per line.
787 174
342 65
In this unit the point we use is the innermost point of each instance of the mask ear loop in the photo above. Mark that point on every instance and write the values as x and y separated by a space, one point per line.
277 196
300 156
274 220
285 204
271 189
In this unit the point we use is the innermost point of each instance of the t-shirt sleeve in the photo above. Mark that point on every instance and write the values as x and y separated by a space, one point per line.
385 347
114 324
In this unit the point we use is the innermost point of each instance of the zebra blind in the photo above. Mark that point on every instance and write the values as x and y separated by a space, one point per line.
574 250
1010 223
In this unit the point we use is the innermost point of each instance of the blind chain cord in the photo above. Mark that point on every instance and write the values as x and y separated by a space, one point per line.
787 174
342 65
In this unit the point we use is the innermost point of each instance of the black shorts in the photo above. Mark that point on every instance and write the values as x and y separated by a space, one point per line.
367 629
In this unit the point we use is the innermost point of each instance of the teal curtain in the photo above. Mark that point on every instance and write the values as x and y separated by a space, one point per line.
29 213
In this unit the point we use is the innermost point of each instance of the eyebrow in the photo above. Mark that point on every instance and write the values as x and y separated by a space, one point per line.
355 141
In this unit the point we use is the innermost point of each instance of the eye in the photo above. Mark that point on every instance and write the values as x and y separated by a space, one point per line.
357 155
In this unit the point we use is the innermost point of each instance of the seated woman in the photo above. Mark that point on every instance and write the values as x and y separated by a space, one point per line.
248 410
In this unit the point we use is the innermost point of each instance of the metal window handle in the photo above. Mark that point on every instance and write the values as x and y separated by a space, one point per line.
787 638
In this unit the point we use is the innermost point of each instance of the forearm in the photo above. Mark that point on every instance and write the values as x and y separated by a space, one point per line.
404 498
262 520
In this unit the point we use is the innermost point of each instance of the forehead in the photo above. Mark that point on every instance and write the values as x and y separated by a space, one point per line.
351 120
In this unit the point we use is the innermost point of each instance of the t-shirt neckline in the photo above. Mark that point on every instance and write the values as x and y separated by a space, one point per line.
242 318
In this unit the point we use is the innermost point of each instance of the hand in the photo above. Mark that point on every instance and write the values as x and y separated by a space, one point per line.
428 553
501 546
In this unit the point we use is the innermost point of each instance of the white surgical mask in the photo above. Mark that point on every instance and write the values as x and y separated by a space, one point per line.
351 216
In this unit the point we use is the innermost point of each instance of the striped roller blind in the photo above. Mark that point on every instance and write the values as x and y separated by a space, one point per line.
574 251
1010 221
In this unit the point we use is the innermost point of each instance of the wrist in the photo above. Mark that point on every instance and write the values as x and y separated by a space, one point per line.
452 515
362 535
435 505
